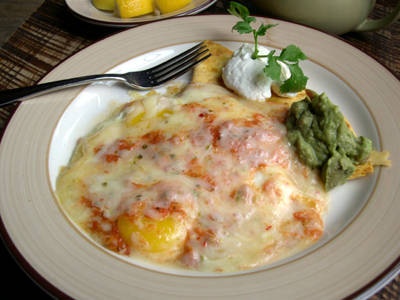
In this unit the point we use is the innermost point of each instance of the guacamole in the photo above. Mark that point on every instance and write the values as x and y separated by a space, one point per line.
318 131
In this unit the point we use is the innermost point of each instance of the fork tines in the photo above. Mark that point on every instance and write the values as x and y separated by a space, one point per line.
178 65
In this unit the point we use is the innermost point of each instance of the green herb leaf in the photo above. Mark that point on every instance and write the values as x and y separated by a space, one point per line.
292 53
296 82
238 10
291 56
262 30
273 69
242 27
241 12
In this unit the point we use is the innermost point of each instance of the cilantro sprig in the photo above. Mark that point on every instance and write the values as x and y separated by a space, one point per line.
244 26
291 55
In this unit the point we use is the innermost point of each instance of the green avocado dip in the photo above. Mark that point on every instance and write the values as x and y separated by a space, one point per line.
318 131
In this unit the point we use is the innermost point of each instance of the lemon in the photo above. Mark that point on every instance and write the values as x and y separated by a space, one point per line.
167 6
104 4
133 8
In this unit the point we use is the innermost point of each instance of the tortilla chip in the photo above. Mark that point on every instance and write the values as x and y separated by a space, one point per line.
376 158
288 100
210 70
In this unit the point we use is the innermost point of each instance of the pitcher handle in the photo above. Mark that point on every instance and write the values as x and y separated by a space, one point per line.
371 24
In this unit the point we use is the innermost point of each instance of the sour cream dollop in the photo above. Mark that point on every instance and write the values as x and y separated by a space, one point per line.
245 75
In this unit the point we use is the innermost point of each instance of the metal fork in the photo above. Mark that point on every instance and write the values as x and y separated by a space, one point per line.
142 80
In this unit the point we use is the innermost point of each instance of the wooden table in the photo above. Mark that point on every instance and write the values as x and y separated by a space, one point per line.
53 33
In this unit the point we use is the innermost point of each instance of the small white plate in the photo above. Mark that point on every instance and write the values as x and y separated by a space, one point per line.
85 10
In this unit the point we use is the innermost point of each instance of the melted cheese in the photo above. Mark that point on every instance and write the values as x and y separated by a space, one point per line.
204 180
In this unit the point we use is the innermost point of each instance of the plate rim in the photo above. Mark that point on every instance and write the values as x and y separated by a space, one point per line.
59 67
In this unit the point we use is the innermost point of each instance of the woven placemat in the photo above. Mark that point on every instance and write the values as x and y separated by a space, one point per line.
390 292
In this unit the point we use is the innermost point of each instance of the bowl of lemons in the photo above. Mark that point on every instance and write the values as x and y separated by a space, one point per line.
128 13
131 9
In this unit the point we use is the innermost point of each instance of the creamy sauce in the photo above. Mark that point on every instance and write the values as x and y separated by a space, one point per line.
204 180
245 75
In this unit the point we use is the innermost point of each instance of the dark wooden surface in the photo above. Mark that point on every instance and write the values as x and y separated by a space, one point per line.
52 34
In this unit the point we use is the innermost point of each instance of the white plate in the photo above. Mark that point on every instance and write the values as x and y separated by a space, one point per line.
359 252
85 10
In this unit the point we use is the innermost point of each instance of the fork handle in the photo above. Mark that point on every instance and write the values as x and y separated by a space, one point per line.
24 93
